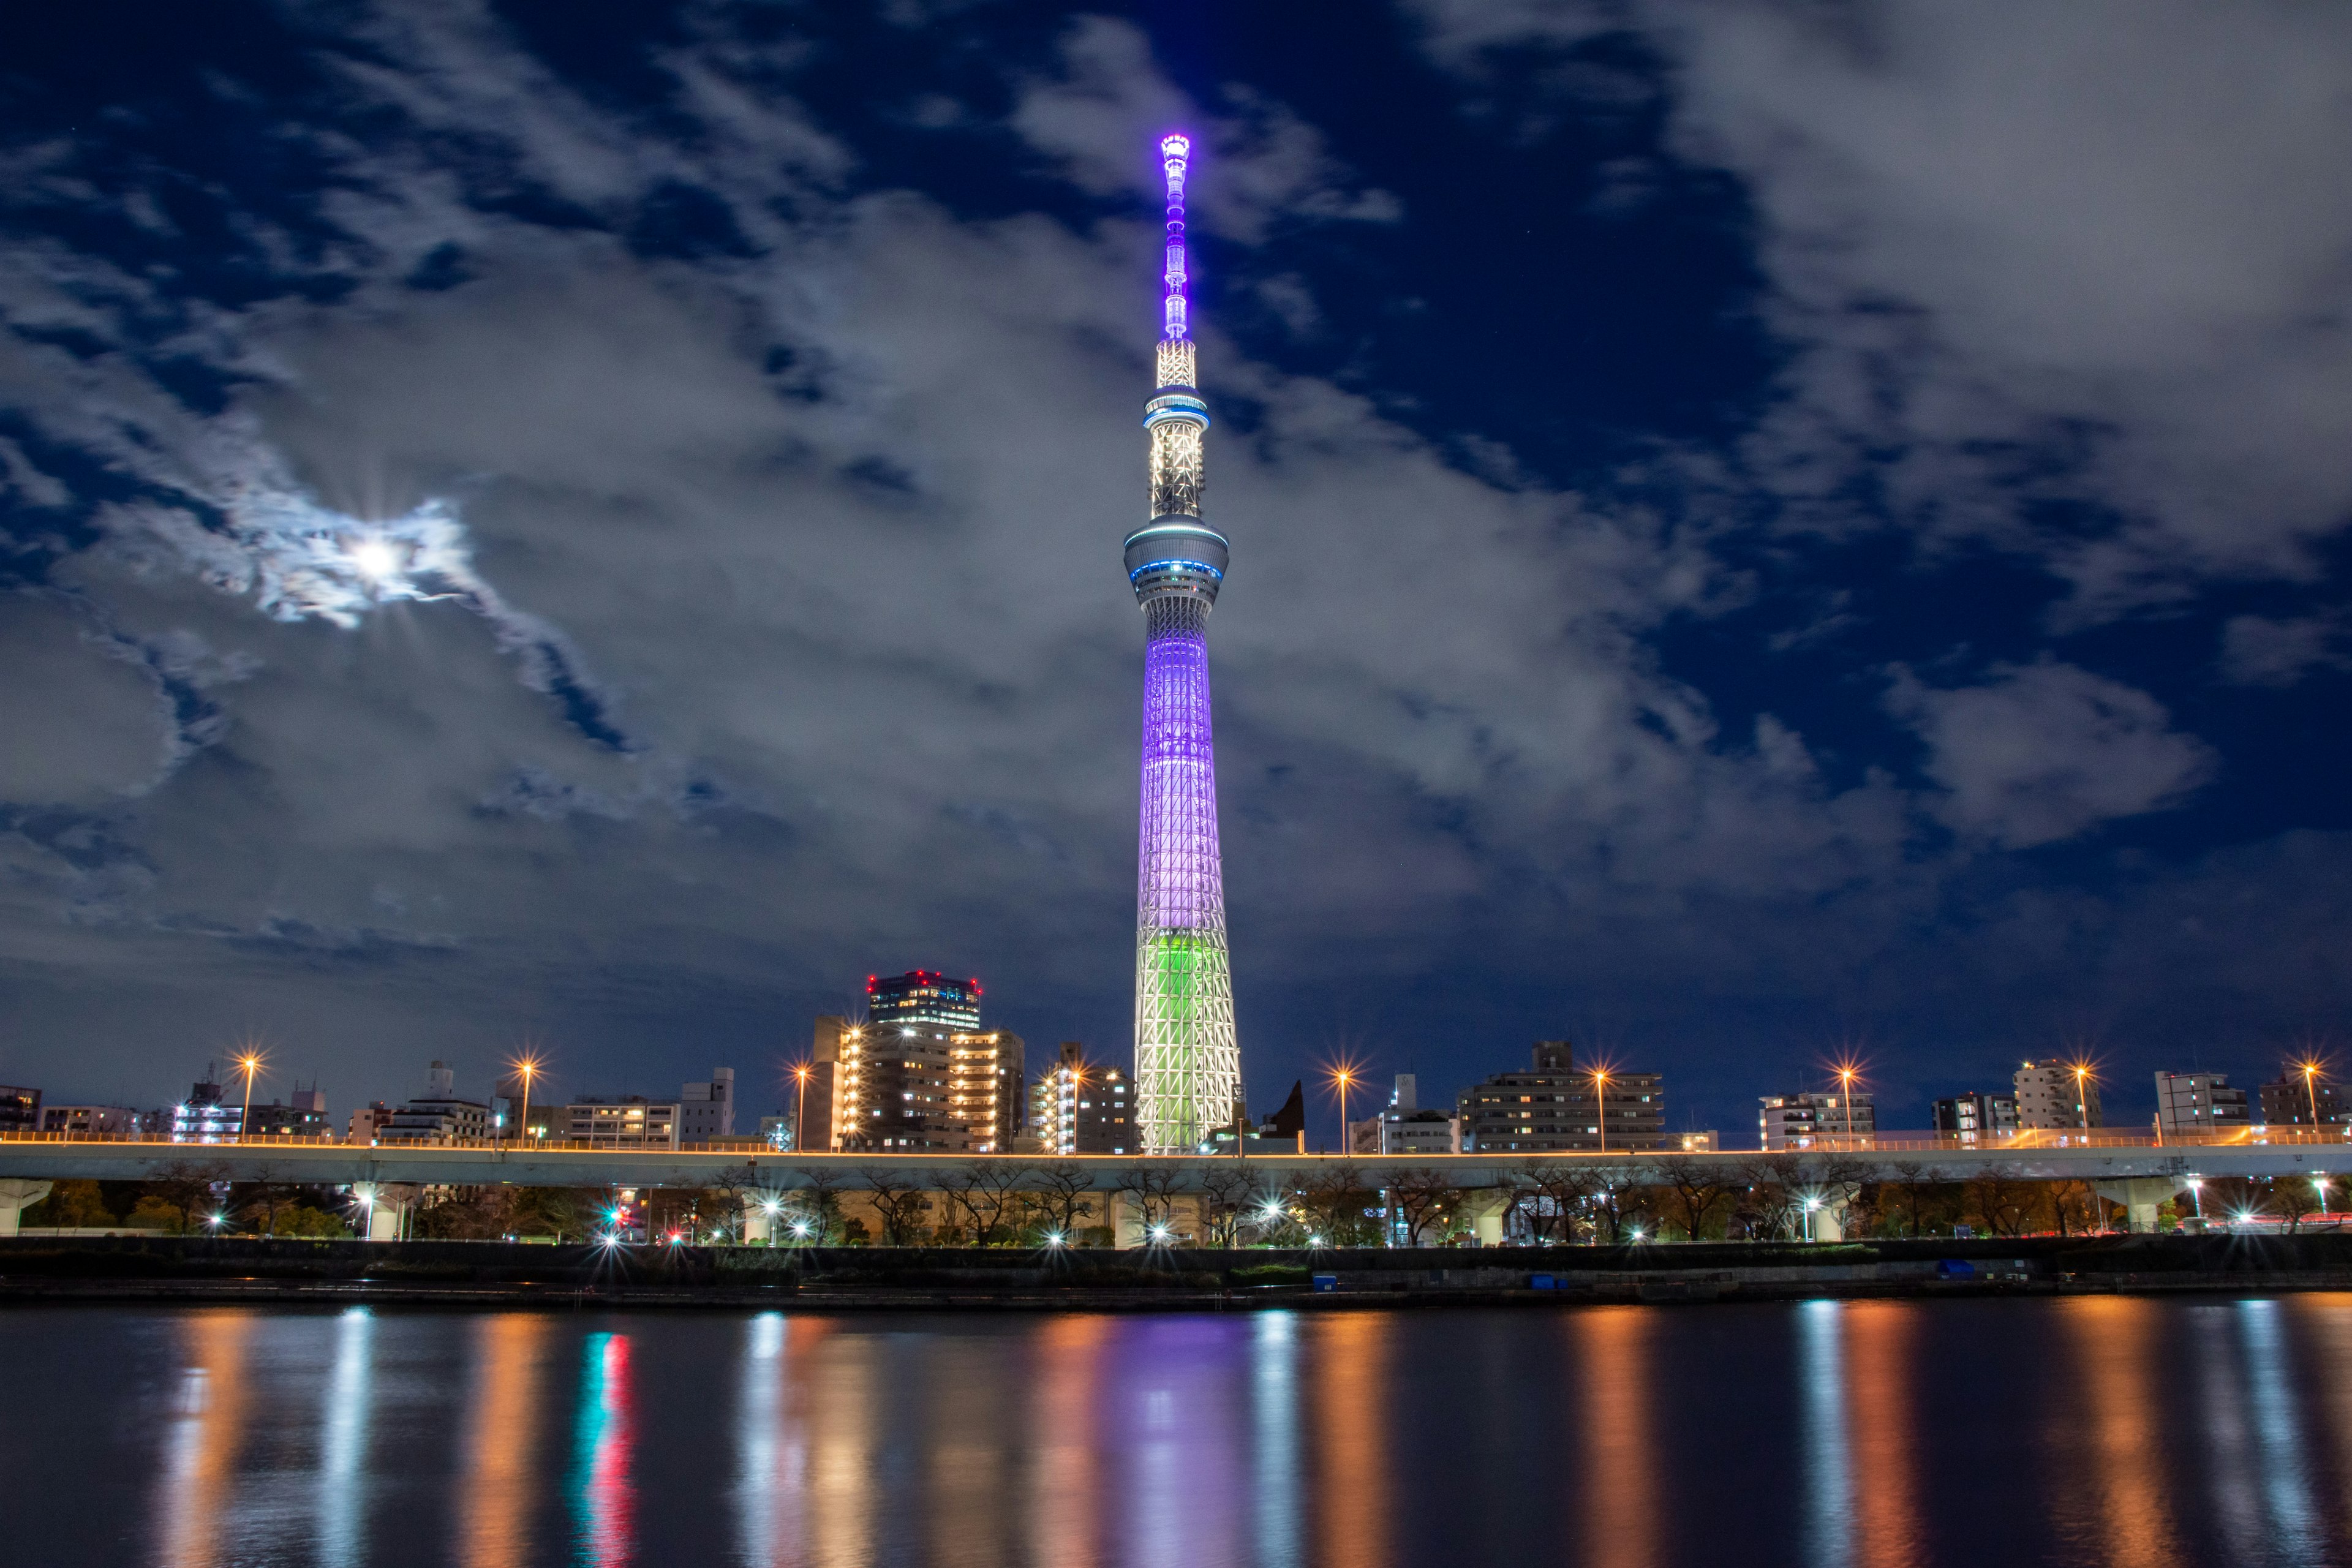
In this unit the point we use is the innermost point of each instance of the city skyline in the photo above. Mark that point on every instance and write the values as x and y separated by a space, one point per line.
512 540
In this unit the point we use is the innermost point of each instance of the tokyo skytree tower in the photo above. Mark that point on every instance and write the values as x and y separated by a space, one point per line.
1188 1069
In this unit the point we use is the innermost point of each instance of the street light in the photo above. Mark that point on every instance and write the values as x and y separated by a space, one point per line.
1845 1076
2197 1196
1344 1076
2320 1183
248 1064
526 1068
1810 1204
800 1071
2082 1077
2310 1070
1600 1104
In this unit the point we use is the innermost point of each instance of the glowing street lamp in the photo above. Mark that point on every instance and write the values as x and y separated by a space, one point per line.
1600 1104
247 1064
801 1072
2197 1195
1810 1204
1343 1077
526 1068
2083 1076
2310 1071
1846 1073
2319 1184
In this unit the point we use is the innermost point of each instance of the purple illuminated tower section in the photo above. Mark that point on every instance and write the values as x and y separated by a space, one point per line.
1188 1069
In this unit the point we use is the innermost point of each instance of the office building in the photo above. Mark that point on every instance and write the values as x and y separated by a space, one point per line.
985 1074
92 1120
895 1086
1188 1070
303 1116
1811 1120
439 1115
1976 1117
707 1110
20 1109
2297 1101
819 1098
368 1122
1076 1107
632 1122
1552 1108
2187 1103
2055 1097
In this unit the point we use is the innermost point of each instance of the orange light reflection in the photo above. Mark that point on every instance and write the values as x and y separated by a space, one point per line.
1620 1522
1352 1487
2112 1343
1065 1481
1878 1387
200 1477
494 1505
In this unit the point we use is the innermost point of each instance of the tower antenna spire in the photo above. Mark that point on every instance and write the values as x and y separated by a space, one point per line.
1187 1063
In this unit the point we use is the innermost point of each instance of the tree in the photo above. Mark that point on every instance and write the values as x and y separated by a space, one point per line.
1550 1194
183 1188
1153 1188
1334 1200
2291 1198
2001 1199
70 1206
1910 1188
1064 1198
818 1204
1225 1190
1617 1203
558 1211
1423 1197
1693 1190
265 1198
900 1206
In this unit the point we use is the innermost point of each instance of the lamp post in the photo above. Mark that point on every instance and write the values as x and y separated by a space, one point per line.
800 1071
2196 1197
1810 1204
1600 1104
249 1064
2311 1089
1846 1075
1343 1077
2319 1184
526 1069
2083 1096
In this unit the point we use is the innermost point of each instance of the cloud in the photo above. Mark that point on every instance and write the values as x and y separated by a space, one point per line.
2265 650
2066 278
2045 752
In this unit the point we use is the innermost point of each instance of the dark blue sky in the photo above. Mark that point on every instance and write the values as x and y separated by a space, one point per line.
1756 535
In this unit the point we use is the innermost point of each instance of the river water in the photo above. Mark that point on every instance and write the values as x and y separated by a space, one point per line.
1860 1434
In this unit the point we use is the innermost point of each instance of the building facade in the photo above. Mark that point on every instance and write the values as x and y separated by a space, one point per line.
895 1082
1553 1108
2055 1097
2296 1101
439 1115
203 1119
1810 1120
92 1120
707 1110
986 1070
20 1109
1078 1106
1188 1070
2196 1103
304 1115
1976 1117
632 1122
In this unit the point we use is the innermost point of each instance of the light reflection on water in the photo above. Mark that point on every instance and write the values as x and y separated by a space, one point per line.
2087 1431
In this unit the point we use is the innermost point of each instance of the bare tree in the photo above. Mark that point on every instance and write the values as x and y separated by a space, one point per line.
901 1206
1910 1185
1153 1188
2291 1198
1064 1197
1774 1195
1693 1190
1551 1194
1335 1201
185 1187
2001 1199
1617 1204
1224 1189
989 1191
266 1196
818 1204
1422 1198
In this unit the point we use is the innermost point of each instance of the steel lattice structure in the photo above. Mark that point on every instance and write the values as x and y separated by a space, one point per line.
1188 1069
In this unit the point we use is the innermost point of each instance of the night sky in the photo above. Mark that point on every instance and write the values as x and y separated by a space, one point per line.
1759 534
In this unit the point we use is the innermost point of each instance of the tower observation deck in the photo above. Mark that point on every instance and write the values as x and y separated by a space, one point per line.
1187 1064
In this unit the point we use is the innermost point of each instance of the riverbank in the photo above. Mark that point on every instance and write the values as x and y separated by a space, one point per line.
475 1274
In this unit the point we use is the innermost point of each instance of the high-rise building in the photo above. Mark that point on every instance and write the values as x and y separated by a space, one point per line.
1804 1121
985 1072
1554 1107
203 1119
707 1110
817 1100
1078 1106
2188 1102
1188 1071
2296 1101
1976 1118
895 1086
2055 1096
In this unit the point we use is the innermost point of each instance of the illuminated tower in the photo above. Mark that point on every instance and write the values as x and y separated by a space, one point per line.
1186 1067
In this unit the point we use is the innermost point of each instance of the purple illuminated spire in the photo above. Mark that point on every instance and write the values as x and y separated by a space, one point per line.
1187 1066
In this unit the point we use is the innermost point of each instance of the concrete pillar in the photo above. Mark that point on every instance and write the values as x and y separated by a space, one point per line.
15 1198
1485 1215
1828 1223
758 1224
2139 1196
1124 1215
382 1204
